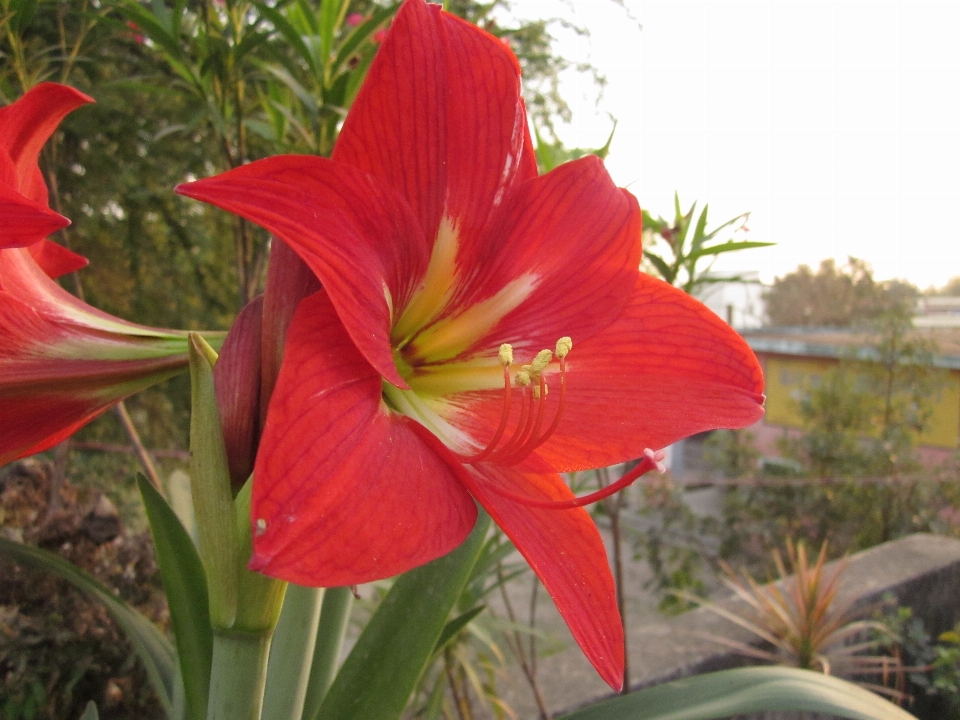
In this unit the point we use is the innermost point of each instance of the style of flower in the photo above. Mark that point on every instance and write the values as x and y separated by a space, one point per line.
25 126
435 369
62 362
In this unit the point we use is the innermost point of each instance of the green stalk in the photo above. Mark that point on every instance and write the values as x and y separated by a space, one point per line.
292 651
334 617
238 675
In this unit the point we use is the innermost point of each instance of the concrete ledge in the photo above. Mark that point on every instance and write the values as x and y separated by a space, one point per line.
922 571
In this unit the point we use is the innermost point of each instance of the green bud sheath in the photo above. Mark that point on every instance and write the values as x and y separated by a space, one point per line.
210 486
259 597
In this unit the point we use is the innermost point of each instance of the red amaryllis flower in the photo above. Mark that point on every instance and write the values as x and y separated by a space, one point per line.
447 265
24 203
62 362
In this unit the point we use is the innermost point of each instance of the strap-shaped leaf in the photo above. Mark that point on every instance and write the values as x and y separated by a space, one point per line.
377 19
331 631
185 584
746 690
451 629
729 246
154 650
382 670
90 712
330 16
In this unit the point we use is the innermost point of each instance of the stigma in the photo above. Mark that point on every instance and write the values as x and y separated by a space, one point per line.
528 433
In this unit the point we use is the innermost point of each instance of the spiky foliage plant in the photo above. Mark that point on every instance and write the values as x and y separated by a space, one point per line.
801 620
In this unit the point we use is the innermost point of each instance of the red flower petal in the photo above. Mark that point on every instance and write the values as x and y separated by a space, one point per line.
289 281
357 235
25 221
28 123
565 551
55 260
440 118
37 422
50 386
666 369
577 236
347 491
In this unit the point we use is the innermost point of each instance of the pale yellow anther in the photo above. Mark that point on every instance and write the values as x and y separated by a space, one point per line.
506 354
523 378
564 346
540 362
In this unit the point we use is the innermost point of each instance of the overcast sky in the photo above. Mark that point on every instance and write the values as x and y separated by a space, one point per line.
836 123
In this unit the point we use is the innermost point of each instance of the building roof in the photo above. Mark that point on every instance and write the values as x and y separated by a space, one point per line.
846 342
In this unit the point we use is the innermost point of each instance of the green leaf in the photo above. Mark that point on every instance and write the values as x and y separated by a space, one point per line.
331 15
746 690
155 29
727 224
154 650
185 584
162 14
334 616
303 95
23 12
301 15
377 19
90 712
290 34
602 152
377 678
250 42
666 272
699 233
451 629
729 246
546 154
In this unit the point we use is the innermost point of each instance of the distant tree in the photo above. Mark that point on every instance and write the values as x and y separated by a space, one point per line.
951 289
863 420
835 296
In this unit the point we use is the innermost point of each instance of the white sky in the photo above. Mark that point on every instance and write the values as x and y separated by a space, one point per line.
836 123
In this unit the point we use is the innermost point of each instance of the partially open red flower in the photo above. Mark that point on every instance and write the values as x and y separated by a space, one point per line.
25 126
62 362
447 265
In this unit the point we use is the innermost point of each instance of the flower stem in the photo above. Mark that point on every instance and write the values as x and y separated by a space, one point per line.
238 674
292 652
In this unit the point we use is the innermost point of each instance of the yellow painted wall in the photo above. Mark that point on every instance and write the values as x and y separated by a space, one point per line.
788 379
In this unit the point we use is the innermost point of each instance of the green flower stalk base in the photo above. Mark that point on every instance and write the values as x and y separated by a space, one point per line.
239 673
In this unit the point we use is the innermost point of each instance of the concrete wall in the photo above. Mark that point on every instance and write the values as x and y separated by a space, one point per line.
922 571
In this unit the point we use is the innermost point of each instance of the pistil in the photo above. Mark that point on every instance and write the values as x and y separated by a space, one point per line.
651 460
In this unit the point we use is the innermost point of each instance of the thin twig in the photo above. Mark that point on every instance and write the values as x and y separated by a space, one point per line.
458 700
613 506
127 449
58 475
148 467
516 647
533 624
